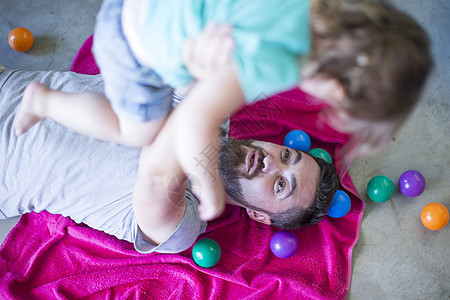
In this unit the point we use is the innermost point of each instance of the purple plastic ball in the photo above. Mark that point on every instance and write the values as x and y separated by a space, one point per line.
284 244
411 183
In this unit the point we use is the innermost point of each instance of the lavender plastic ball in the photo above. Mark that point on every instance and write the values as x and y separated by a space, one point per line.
412 183
284 244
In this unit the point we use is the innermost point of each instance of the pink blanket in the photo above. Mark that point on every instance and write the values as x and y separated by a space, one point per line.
48 256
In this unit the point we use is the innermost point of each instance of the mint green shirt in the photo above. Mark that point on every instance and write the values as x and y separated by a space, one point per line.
271 37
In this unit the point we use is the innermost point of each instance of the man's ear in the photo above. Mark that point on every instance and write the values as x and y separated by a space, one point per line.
259 216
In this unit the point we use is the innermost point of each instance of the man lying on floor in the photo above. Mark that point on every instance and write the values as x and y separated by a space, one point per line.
92 182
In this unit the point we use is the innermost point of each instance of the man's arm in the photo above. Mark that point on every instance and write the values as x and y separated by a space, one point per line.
159 193
158 207
198 117
158 199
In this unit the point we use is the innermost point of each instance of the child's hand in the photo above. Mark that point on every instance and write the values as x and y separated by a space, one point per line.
208 52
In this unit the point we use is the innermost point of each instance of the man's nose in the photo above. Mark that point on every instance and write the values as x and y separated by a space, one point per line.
270 165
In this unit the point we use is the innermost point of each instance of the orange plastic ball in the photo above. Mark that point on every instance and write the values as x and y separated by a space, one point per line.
20 39
434 216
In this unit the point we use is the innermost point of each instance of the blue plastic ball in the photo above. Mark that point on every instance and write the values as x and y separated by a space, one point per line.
298 139
340 205
284 244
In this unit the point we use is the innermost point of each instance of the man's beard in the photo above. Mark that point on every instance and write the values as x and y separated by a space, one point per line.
232 159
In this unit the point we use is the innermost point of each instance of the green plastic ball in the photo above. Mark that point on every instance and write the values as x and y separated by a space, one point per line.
380 188
206 253
321 153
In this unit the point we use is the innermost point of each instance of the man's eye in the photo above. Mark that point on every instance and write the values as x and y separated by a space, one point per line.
281 185
286 155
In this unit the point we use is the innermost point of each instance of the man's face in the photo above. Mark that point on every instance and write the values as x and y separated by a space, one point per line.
271 177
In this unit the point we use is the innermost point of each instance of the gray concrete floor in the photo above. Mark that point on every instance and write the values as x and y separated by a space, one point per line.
396 257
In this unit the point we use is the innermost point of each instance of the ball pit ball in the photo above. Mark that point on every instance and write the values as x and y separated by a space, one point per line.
340 205
412 183
434 216
380 188
284 244
20 39
206 253
298 139
321 153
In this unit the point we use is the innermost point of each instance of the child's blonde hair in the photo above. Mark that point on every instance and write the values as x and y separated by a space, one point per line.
381 58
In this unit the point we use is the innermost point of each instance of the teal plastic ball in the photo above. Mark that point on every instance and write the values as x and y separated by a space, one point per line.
321 153
380 188
206 253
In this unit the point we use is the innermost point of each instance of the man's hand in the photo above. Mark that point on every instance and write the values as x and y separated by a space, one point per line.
210 51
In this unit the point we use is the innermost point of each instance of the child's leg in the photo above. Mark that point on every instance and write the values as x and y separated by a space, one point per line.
86 113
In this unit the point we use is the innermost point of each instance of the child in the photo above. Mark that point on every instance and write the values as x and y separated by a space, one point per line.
376 60
368 60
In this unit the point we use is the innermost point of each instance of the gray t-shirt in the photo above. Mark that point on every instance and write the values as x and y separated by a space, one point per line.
52 168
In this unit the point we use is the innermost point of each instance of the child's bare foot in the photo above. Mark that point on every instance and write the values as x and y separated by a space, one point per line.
30 110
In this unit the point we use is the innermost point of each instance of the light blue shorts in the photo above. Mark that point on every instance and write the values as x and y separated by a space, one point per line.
135 92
